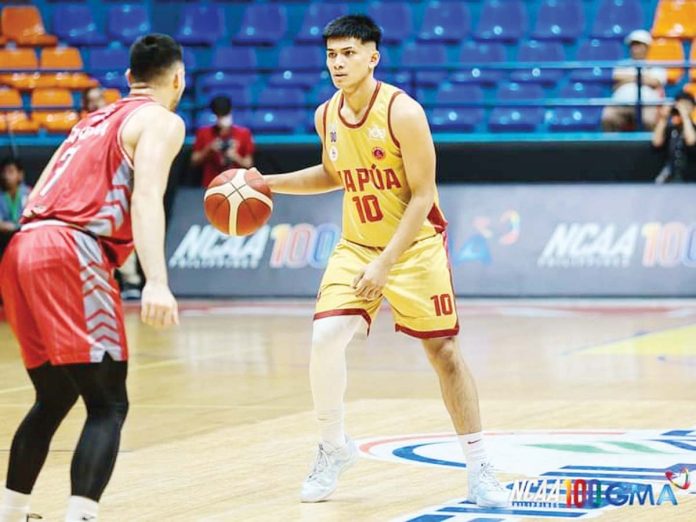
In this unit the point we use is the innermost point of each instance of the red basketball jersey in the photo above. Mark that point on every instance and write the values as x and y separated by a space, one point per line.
91 181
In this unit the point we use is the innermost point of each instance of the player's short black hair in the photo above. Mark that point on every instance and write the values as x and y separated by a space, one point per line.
357 26
11 161
153 54
221 105
683 95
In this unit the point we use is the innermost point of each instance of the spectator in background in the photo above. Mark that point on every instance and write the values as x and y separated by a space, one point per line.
92 100
13 196
222 146
653 81
675 138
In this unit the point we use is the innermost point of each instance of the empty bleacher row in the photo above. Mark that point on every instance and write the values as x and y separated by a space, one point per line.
266 56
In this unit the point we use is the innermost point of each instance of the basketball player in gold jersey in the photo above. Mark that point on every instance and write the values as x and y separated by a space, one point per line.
377 147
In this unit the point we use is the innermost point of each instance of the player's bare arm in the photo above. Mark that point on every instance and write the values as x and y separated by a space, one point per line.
418 152
312 180
155 136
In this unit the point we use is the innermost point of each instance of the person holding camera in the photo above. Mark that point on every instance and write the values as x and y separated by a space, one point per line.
675 138
222 146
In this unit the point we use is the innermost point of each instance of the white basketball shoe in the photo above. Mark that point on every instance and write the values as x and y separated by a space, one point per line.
328 466
484 489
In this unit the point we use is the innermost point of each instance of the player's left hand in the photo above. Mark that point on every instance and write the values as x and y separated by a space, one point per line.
370 281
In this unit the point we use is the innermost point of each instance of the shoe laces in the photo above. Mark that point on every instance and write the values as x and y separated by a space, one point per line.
320 463
486 475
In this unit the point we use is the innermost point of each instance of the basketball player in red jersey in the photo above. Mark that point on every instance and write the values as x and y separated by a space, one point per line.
101 192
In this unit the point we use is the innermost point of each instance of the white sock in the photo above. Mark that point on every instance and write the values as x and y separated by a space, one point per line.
81 509
14 506
328 374
474 450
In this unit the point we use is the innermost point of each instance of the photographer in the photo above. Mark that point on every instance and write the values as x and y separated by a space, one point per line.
222 146
675 138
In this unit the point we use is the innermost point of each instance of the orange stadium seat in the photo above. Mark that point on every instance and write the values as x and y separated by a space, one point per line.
59 121
23 24
111 95
61 59
12 115
51 99
675 19
668 50
21 60
690 87
18 122
66 59
52 109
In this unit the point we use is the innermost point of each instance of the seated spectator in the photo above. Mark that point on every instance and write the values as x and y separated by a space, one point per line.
653 81
13 197
222 146
92 100
675 138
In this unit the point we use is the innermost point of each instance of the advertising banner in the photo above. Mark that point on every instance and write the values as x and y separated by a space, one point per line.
505 240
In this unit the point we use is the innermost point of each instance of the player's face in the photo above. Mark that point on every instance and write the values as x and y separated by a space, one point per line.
350 61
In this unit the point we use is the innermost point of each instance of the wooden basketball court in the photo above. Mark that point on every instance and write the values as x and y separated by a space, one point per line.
221 428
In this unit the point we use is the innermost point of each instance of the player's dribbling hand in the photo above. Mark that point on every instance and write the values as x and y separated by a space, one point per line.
158 306
370 281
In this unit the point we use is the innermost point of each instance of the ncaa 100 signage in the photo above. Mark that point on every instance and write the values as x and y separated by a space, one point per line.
505 240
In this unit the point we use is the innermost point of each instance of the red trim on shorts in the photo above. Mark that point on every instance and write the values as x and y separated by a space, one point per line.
367 112
451 332
389 125
346 311
438 221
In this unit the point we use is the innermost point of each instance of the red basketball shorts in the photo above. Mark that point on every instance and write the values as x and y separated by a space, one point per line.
61 298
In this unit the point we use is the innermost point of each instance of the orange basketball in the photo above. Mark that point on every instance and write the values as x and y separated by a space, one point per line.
238 202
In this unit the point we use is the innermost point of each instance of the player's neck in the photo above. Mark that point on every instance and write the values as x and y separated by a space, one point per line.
358 99
150 92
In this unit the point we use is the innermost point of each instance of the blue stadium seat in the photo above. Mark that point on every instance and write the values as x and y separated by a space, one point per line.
455 118
300 66
502 20
597 51
517 119
282 110
582 117
425 54
395 19
190 60
125 23
235 66
316 18
474 54
559 20
325 91
263 24
617 18
448 22
539 52
109 66
74 23
201 25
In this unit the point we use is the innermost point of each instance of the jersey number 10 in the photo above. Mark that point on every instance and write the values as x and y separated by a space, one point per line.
368 208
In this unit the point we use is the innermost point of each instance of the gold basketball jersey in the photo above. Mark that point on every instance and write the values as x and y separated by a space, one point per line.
367 157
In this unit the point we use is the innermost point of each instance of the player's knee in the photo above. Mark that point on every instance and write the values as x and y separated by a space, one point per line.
334 332
56 405
443 354
114 410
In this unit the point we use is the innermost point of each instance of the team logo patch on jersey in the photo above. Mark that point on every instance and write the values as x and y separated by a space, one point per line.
333 153
333 133
378 153
377 133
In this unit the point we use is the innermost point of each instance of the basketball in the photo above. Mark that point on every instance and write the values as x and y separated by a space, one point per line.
238 202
